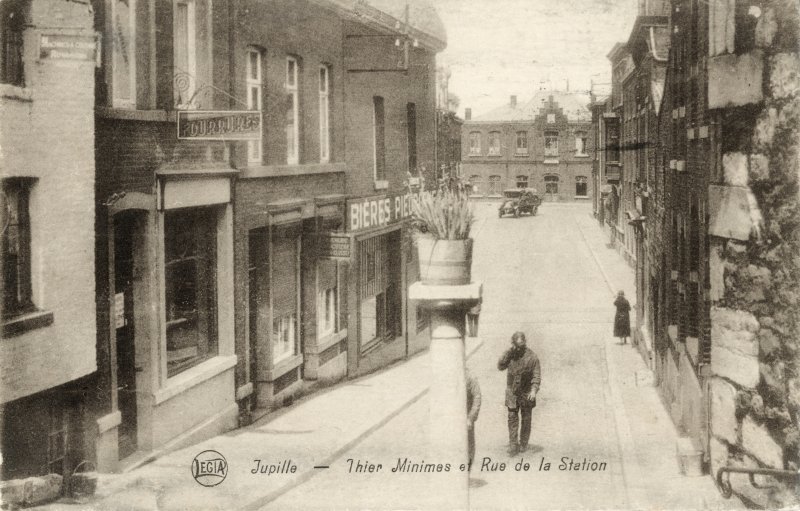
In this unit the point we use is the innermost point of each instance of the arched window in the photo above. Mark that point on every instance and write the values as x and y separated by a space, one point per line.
522 181
581 186
551 185
494 143
494 185
475 183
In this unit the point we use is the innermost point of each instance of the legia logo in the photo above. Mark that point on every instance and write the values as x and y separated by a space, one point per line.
209 468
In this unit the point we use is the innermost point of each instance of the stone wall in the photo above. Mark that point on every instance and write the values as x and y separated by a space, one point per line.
755 387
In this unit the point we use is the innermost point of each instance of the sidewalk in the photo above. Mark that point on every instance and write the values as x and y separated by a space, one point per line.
313 432
646 434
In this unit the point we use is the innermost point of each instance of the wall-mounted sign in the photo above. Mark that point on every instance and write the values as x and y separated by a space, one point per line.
67 47
219 125
334 245
372 212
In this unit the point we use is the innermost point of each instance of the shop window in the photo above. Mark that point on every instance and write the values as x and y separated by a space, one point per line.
284 337
494 185
190 245
522 181
522 143
475 183
254 98
380 307
411 136
378 138
494 143
184 52
292 111
551 143
285 292
327 298
324 113
551 185
580 143
13 25
581 186
16 246
475 143
123 56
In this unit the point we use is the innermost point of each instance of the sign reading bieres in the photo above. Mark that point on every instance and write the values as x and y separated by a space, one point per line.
219 125
375 212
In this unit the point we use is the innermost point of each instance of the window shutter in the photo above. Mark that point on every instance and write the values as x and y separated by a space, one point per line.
284 272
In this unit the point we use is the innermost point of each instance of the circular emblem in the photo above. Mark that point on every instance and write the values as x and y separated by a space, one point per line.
209 468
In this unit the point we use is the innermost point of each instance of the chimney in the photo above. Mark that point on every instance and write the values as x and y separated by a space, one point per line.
513 101
467 114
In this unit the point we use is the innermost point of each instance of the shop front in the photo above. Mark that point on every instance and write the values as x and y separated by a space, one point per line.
380 273
170 313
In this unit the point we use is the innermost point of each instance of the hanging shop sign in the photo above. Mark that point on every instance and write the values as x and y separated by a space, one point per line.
67 47
219 125
334 245
372 212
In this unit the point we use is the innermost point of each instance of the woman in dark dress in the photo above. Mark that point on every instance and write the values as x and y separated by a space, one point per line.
622 319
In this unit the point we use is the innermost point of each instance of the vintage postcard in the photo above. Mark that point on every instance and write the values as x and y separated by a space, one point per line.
399 254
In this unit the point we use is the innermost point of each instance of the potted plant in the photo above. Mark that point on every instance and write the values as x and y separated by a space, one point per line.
443 221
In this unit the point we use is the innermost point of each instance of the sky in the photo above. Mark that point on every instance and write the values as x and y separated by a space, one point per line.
497 48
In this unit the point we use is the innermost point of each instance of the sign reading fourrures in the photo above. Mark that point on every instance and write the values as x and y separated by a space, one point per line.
371 212
219 125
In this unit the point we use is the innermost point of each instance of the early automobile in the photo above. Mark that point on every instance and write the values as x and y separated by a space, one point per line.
519 201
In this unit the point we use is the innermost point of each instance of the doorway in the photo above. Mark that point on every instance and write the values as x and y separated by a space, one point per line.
124 232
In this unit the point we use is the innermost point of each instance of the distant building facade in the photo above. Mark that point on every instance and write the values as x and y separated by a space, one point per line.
542 144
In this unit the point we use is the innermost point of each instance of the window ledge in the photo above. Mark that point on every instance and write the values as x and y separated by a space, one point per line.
581 155
381 184
328 341
283 367
131 114
550 162
581 197
184 381
258 171
472 155
521 155
494 155
16 92
27 322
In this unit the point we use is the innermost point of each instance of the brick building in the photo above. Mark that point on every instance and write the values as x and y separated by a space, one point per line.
542 144
718 197
252 187
47 354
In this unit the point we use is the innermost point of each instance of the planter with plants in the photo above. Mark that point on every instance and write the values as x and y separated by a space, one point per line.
442 222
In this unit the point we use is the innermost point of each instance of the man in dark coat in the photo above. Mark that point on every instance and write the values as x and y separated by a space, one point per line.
523 378
622 319
473 408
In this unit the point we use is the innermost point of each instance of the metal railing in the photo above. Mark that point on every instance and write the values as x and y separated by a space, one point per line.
725 484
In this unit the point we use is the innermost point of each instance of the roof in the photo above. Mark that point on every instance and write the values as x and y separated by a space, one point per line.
575 106
422 17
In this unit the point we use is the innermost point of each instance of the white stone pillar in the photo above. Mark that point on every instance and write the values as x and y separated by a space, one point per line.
447 396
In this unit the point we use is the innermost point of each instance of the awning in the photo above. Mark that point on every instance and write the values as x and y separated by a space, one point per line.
733 212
